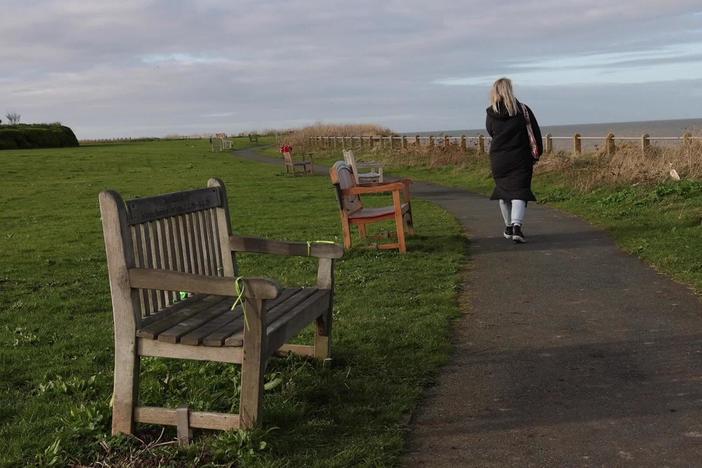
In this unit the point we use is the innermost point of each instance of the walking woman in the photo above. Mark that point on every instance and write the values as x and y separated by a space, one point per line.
516 146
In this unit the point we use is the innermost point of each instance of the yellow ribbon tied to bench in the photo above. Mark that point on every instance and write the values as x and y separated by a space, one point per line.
239 289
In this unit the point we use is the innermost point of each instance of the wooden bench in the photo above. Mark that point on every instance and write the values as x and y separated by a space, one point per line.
292 167
220 142
159 246
373 173
353 212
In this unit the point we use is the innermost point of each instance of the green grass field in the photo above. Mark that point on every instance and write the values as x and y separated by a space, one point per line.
392 313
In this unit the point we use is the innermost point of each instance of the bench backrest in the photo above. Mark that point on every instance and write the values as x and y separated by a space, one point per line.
350 160
183 231
343 179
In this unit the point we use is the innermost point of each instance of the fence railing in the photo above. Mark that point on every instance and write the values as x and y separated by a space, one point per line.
480 142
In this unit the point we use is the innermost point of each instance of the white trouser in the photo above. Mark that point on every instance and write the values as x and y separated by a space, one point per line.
513 213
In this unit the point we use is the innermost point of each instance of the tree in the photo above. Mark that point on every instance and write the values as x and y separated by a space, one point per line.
13 117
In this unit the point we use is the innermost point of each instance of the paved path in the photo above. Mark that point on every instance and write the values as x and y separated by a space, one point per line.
570 352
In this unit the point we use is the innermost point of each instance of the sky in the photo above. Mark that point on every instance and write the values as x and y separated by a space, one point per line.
163 67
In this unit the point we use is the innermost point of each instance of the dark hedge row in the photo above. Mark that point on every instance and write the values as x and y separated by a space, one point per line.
23 136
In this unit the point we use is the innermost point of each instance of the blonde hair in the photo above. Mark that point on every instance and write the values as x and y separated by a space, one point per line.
501 91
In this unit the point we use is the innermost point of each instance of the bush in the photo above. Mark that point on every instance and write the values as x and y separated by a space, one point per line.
24 136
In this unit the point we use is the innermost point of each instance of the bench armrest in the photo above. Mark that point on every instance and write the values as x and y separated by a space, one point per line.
300 249
379 188
168 280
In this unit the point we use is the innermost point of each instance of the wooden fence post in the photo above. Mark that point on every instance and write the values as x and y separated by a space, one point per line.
464 148
447 142
549 144
404 142
577 145
431 142
645 142
417 141
687 138
609 144
481 144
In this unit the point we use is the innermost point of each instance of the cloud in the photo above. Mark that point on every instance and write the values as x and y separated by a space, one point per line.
669 63
139 66
181 58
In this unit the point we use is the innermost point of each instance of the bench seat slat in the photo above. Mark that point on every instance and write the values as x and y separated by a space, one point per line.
167 318
208 320
366 213
215 330
185 303
273 313
228 328
173 334
197 336
289 324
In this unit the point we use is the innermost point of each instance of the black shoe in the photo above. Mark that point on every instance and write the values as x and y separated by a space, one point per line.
517 234
508 232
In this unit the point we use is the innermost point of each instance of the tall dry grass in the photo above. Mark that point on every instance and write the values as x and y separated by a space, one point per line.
415 155
299 137
628 165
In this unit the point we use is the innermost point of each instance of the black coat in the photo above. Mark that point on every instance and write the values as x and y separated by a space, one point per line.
510 153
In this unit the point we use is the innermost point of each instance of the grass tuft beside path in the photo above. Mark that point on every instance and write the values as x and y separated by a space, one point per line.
392 313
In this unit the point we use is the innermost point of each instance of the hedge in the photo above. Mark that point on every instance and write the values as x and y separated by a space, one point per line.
23 136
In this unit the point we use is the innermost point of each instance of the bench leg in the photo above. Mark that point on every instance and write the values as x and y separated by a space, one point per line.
185 434
362 231
126 388
347 231
322 337
253 364
409 223
323 325
399 222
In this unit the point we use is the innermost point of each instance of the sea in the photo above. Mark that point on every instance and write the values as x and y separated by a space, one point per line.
654 128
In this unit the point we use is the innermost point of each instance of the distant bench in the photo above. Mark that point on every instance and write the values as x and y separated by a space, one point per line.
220 142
